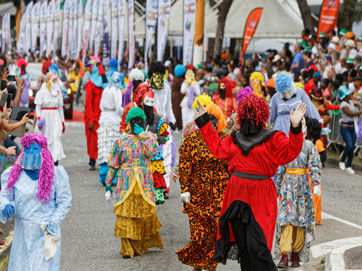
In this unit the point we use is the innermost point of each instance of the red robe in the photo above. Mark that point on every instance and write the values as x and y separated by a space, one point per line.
227 105
92 113
260 195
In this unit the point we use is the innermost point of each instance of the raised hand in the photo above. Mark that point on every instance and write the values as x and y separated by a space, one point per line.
201 108
297 115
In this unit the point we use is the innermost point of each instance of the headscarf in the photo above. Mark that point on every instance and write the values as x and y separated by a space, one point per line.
143 91
213 109
116 80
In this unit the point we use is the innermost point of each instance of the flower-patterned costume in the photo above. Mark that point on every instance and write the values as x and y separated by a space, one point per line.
205 178
137 223
295 197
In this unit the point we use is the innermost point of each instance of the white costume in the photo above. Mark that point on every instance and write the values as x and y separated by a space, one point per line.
188 111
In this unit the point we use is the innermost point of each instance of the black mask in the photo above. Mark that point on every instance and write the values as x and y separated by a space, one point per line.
136 120
213 121
135 84
149 113
222 93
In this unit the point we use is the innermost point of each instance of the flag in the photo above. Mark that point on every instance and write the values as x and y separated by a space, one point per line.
65 36
151 20
99 28
43 26
106 45
95 8
21 41
56 23
28 11
3 35
131 45
188 30
250 27
50 28
8 32
35 18
114 26
86 27
73 29
328 17
79 25
121 12
164 7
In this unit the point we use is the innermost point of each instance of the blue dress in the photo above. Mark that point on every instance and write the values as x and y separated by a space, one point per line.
27 251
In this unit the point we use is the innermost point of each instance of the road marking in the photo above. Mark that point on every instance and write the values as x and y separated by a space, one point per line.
328 216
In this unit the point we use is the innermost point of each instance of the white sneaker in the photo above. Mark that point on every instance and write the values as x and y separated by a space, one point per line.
350 170
342 166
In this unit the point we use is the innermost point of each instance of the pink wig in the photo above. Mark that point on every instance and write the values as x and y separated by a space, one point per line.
46 173
243 93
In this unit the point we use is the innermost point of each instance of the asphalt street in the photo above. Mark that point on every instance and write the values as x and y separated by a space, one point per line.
87 234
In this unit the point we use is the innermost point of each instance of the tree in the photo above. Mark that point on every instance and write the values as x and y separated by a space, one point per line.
221 19
348 14
306 15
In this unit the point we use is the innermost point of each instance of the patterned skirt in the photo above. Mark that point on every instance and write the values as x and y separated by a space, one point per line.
108 134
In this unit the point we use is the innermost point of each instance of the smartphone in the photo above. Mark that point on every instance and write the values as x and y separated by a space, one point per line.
9 99
3 84
11 78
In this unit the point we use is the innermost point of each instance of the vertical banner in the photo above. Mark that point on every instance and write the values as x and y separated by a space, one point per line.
73 30
328 17
114 26
3 34
106 25
131 45
21 41
56 24
164 7
43 26
151 20
93 25
65 36
250 27
79 25
121 16
188 30
35 17
99 28
198 55
8 32
28 11
50 28
86 27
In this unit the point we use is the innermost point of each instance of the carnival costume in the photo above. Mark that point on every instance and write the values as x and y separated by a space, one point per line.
249 209
113 67
38 195
257 83
296 220
191 89
109 122
23 74
203 180
224 97
92 111
177 96
50 113
137 223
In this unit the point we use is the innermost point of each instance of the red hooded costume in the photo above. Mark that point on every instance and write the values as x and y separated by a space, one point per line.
227 105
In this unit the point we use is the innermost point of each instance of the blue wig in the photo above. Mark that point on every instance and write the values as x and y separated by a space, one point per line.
283 82
180 70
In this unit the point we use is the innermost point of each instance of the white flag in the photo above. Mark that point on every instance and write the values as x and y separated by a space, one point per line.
106 27
8 32
151 20
65 41
50 28
121 12
164 7
3 34
79 25
35 18
43 26
95 8
86 27
29 9
99 28
131 45
114 26
188 30
21 41
72 37
56 23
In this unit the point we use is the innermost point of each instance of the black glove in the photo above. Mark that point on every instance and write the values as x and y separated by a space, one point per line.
172 125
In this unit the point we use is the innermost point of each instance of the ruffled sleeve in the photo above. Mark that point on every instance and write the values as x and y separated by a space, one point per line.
5 196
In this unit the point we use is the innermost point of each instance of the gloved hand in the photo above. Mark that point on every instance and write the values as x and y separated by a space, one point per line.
63 130
9 211
41 124
52 228
317 190
172 126
185 197
109 192
138 129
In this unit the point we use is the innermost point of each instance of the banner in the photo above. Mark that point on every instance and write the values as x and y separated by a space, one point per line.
56 23
164 7
106 45
121 15
99 28
72 37
114 26
328 17
28 11
188 30
35 18
151 20
86 27
5 34
79 25
50 28
65 36
93 25
250 27
131 45
8 33
21 41
43 27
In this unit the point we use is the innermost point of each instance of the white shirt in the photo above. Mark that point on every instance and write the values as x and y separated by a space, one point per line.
111 105
163 103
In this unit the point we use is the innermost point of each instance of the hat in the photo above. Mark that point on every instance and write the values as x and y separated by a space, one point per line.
349 35
332 46
343 32
270 83
276 58
350 60
343 92
335 39
360 68
318 74
322 35
307 48
358 58
357 78
180 70
167 63
329 58
113 63
350 43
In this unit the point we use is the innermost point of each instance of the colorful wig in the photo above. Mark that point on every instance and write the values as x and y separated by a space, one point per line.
46 173
245 91
283 82
229 85
254 108
257 75
204 99
213 109
134 113
142 91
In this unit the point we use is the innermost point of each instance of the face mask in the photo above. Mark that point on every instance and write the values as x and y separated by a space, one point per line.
213 121
156 81
222 93
135 120
32 157
148 111
135 84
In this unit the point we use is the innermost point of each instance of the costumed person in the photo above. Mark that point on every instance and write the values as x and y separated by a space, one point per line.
113 67
109 123
38 195
163 106
203 180
145 100
136 77
288 98
23 74
191 89
314 131
296 220
224 97
257 84
137 223
177 96
92 111
50 113
249 209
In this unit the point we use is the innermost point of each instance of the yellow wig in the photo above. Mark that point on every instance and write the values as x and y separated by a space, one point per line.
213 109
204 99
257 75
